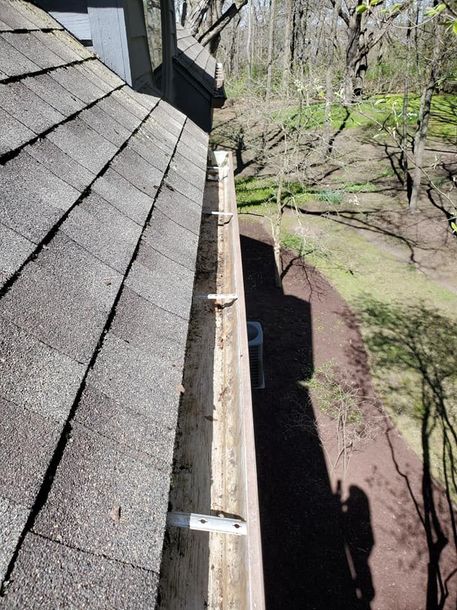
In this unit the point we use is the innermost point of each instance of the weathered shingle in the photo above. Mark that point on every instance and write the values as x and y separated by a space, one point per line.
184 184
163 282
22 103
144 145
13 133
83 144
135 432
141 324
131 103
136 170
102 72
12 521
25 16
171 239
140 379
105 125
180 209
48 89
105 502
123 195
13 62
103 231
74 82
56 576
34 375
60 164
32 199
15 18
112 106
14 250
63 298
33 46
26 449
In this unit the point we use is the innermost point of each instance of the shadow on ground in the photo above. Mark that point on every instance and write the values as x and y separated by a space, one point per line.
316 548
415 348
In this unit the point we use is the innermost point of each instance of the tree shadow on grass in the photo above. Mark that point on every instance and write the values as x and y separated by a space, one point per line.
415 353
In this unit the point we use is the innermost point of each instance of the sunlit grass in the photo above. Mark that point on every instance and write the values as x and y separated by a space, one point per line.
361 272
379 110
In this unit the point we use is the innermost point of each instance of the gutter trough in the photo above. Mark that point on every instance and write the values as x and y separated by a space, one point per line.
212 553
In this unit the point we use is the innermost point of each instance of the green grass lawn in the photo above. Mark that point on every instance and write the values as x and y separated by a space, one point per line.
385 110
252 192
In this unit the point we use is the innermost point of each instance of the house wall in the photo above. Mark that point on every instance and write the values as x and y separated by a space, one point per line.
195 101
114 29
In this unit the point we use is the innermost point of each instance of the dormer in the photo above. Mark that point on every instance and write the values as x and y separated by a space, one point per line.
133 37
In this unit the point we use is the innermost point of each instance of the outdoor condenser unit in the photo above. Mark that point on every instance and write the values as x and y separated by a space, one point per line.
255 342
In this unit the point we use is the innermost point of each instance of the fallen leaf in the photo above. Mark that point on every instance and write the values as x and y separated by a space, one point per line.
115 514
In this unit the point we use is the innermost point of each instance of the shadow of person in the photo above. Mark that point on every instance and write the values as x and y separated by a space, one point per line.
359 541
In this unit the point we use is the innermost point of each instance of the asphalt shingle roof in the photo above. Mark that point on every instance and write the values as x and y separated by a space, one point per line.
195 58
101 191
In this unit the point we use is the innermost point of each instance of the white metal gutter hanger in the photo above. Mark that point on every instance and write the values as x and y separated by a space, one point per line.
214 213
207 523
218 297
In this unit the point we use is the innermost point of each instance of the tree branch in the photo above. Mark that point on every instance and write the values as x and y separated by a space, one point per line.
344 16
222 22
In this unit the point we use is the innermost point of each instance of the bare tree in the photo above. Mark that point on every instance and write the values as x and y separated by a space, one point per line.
420 137
271 31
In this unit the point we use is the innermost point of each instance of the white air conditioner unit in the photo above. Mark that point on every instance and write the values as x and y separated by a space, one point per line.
255 342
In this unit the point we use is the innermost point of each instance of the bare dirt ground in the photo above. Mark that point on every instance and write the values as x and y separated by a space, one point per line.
362 543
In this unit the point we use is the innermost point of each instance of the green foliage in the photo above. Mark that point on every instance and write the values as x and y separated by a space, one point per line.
363 187
435 10
335 394
332 197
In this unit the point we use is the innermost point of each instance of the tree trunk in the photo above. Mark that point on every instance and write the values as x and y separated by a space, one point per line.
249 41
424 117
277 233
404 127
195 14
212 35
287 47
355 66
271 30
329 75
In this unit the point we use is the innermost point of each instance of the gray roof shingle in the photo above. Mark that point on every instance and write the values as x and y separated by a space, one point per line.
27 446
97 258
32 199
88 581
24 105
34 375
105 502
63 298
